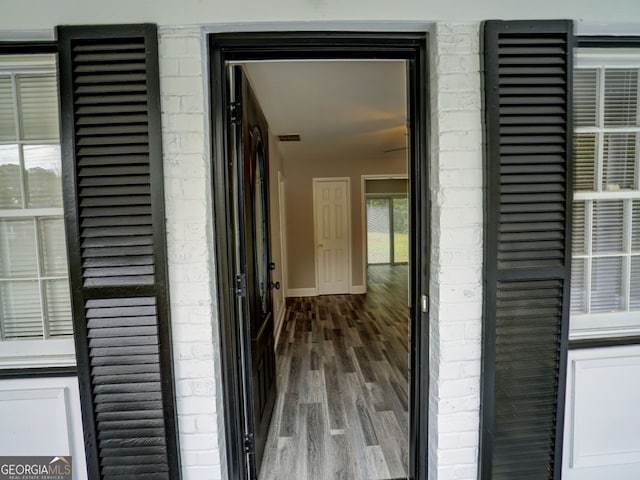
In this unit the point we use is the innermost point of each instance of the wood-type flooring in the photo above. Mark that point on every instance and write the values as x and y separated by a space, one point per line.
342 367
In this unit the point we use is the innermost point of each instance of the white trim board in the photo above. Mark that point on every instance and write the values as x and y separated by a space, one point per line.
279 324
284 267
59 352
302 292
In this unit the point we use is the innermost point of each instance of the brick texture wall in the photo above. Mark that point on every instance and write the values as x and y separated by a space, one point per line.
190 252
456 256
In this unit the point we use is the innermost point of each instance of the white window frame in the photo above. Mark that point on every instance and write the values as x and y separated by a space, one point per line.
622 323
45 352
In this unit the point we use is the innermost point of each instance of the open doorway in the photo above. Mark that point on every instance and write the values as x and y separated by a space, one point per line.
341 407
386 220
346 404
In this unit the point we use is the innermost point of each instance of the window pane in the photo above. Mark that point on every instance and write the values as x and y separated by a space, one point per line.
620 97
578 237
18 257
584 90
58 308
7 115
635 235
39 106
400 230
578 293
10 189
378 235
20 307
53 247
619 161
44 175
607 226
585 161
606 285
634 301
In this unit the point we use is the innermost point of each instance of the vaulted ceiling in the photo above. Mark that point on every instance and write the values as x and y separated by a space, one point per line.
340 108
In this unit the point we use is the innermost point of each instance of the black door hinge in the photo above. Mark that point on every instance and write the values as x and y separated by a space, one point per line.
235 113
248 443
241 285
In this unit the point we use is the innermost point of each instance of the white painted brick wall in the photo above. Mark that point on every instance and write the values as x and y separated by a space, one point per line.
456 257
190 252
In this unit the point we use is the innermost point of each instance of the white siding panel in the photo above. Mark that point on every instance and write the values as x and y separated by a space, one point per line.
602 422
41 416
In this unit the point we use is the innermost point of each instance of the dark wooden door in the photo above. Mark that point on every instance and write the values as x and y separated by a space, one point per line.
252 169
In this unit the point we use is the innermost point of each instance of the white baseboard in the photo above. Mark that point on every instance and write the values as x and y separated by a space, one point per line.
280 323
313 292
302 292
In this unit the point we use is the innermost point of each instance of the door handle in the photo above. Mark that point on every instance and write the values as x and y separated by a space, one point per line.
275 285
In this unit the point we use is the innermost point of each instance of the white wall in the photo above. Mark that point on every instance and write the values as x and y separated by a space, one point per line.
37 14
41 416
455 262
192 281
456 251
602 424
301 242
277 231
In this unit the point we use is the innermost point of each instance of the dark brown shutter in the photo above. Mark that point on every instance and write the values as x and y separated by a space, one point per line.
112 162
527 86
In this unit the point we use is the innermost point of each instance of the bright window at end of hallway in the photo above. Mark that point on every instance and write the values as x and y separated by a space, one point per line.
605 272
35 306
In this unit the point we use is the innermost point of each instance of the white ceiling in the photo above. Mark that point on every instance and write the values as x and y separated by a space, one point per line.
339 108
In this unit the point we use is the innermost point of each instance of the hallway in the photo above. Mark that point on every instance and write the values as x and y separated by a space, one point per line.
342 363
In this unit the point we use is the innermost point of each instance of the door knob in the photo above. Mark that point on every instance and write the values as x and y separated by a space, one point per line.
275 285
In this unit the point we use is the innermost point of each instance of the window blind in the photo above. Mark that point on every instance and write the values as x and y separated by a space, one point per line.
38 106
34 289
7 116
606 220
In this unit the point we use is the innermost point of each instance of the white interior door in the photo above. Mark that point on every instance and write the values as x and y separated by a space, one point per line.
333 239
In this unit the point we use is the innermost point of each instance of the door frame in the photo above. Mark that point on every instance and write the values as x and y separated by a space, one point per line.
349 262
328 45
284 262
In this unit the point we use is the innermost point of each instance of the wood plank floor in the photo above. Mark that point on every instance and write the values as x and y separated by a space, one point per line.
342 407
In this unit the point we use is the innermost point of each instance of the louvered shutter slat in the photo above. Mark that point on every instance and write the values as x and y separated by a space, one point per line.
115 224
527 85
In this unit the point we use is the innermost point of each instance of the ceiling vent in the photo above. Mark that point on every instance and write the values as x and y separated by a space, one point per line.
289 137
